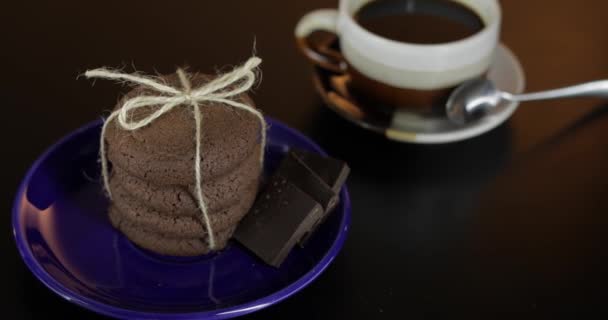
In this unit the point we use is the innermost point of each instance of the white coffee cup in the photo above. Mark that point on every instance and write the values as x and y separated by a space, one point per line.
398 73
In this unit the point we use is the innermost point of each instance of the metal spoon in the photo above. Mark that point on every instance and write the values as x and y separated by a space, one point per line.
476 98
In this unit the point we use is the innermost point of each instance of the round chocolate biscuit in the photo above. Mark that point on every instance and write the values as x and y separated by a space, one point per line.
163 244
179 226
219 193
163 151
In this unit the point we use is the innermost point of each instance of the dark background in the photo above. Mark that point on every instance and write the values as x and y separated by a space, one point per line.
511 223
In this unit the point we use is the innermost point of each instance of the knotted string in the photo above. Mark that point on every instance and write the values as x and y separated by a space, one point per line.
224 89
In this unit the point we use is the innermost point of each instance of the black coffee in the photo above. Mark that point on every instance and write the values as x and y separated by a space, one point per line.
419 21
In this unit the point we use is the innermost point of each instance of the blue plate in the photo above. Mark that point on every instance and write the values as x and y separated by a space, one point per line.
65 238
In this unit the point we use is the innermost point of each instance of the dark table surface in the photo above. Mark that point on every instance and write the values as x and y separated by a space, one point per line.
512 222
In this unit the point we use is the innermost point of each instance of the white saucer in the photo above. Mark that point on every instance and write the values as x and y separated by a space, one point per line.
506 72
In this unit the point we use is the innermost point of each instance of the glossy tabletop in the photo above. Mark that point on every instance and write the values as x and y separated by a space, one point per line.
511 223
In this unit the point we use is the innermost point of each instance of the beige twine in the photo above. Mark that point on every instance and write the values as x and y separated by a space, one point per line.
241 78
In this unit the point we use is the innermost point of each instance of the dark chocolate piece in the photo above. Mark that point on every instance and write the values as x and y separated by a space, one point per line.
308 181
279 218
333 171
297 199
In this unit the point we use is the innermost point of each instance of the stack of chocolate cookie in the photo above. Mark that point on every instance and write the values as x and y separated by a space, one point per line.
153 180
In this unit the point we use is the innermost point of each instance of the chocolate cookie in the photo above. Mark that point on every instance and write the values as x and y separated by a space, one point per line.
219 193
179 226
163 244
163 152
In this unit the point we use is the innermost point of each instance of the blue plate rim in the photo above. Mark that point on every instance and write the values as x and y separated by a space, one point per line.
224 313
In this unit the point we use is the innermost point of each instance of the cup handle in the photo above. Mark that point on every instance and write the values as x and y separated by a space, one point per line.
321 55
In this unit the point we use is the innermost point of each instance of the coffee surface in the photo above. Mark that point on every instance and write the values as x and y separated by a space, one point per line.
419 21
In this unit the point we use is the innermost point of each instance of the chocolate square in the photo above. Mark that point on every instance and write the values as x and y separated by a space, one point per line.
308 181
297 198
332 171
281 215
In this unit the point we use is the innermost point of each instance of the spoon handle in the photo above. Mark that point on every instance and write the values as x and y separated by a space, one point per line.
589 89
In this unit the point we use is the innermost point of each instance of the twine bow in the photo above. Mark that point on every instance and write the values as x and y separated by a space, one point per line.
223 89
